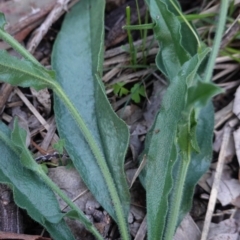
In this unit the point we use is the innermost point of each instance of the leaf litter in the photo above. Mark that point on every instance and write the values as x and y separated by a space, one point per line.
139 117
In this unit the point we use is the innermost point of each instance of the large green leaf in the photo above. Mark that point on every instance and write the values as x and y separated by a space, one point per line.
173 54
200 162
77 59
161 149
24 73
185 121
30 192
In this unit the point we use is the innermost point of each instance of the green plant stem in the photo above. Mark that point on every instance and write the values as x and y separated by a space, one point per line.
139 27
139 16
182 17
174 213
100 160
217 40
141 31
130 40
192 17
18 47
144 40
89 226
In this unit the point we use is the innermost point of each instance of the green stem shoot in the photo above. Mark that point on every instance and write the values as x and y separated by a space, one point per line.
217 40
130 40
18 47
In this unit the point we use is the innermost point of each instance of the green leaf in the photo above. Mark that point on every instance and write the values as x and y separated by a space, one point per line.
123 91
160 149
2 21
202 93
183 139
18 136
136 91
186 136
200 161
77 59
59 145
172 153
118 89
24 73
30 192
193 129
167 31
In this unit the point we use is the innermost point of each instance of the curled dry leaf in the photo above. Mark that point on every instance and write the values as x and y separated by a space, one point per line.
228 229
229 188
43 97
218 135
70 182
130 114
188 230
135 219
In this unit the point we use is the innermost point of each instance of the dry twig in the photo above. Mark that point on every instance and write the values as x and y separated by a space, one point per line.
216 182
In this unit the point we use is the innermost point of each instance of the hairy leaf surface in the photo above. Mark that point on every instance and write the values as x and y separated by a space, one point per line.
30 192
184 120
24 73
77 59
161 149
173 54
